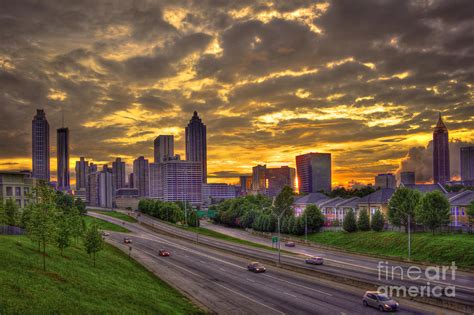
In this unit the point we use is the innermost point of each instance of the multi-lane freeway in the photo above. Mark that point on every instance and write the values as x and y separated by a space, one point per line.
219 281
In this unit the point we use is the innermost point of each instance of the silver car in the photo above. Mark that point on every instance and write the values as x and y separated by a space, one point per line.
380 301
314 260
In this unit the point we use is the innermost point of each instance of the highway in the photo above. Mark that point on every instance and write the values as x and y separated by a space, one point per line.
220 281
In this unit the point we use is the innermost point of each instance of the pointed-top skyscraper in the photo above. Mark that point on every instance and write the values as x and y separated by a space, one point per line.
441 172
63 159
196 145
40 146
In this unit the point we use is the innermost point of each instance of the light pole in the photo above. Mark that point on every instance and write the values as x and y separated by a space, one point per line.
409 237
197 226
279 240
306 227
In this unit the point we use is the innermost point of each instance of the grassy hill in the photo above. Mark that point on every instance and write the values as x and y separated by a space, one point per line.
426 247
72 285
104 225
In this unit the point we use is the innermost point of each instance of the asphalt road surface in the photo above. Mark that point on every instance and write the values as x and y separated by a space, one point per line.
220 281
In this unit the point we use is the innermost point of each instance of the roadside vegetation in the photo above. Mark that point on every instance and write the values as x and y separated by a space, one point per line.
71 285
103 225
117 215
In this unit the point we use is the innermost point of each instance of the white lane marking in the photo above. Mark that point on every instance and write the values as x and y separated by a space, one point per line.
292 295
298 285
221 285
222 269
249 280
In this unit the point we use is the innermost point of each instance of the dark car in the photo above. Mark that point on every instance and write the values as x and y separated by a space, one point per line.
380 301
314 260
105 234
256 267
290 244
127 240
164 253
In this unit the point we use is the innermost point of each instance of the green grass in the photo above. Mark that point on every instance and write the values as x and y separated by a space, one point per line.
104 225
117 215
426 247
71 285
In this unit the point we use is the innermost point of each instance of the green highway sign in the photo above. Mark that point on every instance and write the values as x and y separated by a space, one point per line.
211 214
201 213
274 239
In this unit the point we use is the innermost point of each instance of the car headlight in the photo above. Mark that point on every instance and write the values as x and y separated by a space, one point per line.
386 305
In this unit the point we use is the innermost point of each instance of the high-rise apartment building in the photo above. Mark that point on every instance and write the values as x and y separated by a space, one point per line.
216 192
277 178
467 166
82 173
163 148
407 178
386 181
245 185
314 172
100 189
259 181
196 146
118 172
177 180
63 159
441 170
141 176
40 146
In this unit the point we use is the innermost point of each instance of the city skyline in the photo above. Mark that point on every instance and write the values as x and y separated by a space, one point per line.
369 96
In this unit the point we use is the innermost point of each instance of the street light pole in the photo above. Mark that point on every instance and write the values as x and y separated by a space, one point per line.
197 227
279 256
409 238
306 228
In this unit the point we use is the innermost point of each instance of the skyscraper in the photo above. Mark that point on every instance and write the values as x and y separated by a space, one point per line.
277 178
259 181
100 189
196 146
407 178
141 179
314 172
40 146
441 172
82 173
118 171
63 158
164 148
467 166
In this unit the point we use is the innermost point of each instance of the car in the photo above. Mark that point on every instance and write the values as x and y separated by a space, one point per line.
105 234
380 301
127 240
164 253
314 260
290 244
256 267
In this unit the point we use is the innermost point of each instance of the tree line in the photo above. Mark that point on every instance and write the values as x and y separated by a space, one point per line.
174 212
52 218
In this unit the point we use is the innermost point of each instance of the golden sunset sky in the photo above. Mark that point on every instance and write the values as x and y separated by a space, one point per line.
363 80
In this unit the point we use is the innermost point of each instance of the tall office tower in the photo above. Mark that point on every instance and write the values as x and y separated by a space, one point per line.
156 185
92 168
385 181
245 185
63 159
118 170
259 182
407 178
196 146
82 172
164 148
141 176
100 189
180 181
467 166
216 192
314 172
40 146
130 180
441 172
277 178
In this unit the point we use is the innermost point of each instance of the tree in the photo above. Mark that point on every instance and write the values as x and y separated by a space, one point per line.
377 222
284 202
193 219
470 213
11 213
314 217
433 210
403 204
41 226
363 222
93 241
76 225
298 226
349 224
3 219
63 235
81 206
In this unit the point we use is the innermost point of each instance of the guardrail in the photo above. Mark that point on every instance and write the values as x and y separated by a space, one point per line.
11 230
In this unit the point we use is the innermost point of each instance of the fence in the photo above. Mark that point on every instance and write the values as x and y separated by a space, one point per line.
11 230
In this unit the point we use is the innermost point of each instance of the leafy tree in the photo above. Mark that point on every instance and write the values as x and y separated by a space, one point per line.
64 202
193 219
363 222
470 213
76 224
41 226
63 235
349 223
377 222
298 226
284 202
81 206
93 241
3 219
403 204
11 213
433 210
291 224
314 217
248 218
284 225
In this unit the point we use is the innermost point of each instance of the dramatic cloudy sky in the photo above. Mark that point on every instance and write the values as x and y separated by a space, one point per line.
363 80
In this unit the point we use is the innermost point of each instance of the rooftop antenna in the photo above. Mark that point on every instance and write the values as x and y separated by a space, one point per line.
62 115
